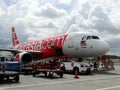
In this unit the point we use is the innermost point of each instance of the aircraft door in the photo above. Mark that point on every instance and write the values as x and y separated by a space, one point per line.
68 46
70 43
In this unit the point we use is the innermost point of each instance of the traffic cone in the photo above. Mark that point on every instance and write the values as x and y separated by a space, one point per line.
76 74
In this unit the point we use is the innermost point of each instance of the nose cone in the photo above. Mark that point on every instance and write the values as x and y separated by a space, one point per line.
104 47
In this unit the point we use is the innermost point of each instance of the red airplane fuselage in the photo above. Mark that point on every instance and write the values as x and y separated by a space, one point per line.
46 46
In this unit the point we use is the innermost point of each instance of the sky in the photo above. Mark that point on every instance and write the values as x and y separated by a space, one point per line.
37 19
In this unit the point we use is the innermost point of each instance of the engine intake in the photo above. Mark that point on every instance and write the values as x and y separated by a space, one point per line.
24 57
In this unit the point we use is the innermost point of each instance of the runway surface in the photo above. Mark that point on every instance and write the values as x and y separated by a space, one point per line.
102 80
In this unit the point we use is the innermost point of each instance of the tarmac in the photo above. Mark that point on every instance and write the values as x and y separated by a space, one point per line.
99 80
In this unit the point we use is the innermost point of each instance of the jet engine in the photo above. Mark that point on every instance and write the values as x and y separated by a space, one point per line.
23 57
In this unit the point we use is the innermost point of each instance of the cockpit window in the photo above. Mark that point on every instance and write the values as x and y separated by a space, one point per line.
88 37
84 38
95 37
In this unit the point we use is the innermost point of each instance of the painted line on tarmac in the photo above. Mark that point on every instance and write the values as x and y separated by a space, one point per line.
108 88
60 82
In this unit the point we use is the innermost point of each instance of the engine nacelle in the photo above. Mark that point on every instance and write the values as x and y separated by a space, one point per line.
24 57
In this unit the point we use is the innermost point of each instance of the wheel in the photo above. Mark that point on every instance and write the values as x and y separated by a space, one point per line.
88 71
45 74
34 74
63 69
50 74
16 79
1 78
61 74
8 78
26 72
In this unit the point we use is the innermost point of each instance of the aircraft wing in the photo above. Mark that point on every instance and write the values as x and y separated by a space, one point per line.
15 51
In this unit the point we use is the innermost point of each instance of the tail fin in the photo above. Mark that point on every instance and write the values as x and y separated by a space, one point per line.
15 40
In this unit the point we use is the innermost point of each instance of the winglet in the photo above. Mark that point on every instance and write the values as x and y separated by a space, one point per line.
15 40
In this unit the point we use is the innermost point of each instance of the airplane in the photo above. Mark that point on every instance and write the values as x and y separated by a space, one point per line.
74 44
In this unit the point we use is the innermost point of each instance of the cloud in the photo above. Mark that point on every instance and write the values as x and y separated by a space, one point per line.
2 8
30 18
94 18
49 11
35 19
102 21
4 41
45 19
65 1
